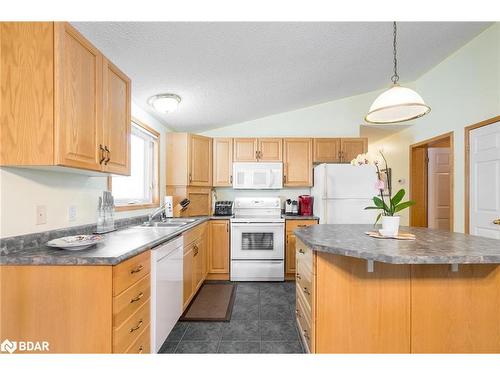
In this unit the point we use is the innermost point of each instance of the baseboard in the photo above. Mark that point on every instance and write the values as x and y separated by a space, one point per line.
217 276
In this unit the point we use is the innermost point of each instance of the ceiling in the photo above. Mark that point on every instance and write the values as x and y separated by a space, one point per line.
232 72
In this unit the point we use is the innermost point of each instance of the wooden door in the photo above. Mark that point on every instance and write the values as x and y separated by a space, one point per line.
222 162
200 164
439 188
485 181
326 150
270 149
352 147
77 100
245 149
219 247
187 273
298 164
418 186
116 119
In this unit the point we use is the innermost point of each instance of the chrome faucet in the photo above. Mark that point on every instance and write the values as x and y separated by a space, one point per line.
153 214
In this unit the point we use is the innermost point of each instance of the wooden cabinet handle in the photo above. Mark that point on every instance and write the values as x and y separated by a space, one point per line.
137 269
137 298
108 153
137 326
103 157
307 291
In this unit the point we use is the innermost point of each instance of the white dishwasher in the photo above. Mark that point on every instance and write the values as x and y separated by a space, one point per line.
166 290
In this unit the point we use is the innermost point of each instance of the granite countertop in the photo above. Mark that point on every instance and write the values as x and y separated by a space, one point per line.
430 246
117 247
298 217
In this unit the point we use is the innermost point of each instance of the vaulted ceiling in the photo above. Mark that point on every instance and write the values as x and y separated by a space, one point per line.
232 72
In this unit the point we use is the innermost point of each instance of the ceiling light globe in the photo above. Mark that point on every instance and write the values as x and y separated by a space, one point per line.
165 103
398 104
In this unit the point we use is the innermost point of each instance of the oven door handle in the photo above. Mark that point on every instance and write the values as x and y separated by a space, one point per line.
254 224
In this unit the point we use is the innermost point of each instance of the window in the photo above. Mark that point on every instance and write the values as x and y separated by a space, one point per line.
141 188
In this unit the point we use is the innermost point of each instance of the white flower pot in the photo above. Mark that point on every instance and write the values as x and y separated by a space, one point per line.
390 225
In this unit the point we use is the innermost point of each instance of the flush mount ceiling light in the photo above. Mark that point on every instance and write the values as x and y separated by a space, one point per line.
397 104
164 103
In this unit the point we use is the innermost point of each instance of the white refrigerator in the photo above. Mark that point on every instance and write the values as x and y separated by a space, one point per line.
342 191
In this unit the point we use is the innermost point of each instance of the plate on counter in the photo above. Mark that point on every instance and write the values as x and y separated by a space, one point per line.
78 242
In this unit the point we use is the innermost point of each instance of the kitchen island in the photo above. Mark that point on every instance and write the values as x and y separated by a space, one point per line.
439 293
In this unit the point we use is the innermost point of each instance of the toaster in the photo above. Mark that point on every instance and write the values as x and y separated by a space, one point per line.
223 208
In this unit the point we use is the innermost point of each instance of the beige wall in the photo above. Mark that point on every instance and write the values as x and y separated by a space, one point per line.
22 190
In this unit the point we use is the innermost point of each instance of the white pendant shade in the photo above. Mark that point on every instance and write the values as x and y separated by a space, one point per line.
397 104
164 103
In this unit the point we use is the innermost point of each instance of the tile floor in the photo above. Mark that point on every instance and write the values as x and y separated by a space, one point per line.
262 321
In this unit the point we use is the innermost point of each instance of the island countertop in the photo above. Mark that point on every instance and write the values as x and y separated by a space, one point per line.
430 246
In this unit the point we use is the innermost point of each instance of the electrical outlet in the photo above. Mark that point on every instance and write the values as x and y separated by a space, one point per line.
41 215
72 213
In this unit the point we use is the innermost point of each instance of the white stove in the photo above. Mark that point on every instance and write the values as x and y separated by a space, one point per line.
257 240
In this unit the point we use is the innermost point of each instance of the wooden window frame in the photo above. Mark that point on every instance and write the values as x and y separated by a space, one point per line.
156 188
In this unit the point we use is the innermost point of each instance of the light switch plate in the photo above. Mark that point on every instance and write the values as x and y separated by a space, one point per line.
41 215
72 213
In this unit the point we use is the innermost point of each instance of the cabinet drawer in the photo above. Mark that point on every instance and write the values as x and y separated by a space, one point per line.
130 271
193 234
127 302
142 344
131 329
304 282
291 225
303 313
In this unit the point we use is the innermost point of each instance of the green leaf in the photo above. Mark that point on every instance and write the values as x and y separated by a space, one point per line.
378 202
378 218
404 205
373 208
398 197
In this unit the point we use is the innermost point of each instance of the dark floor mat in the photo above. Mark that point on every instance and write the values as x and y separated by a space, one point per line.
213 302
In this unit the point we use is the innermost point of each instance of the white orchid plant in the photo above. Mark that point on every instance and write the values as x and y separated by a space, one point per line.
394 203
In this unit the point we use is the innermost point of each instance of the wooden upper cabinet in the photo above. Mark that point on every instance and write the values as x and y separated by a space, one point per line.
245 149
78 99
222 161
117 118
270 149
189 160
200 164
352 147
326 150
298 161
55 108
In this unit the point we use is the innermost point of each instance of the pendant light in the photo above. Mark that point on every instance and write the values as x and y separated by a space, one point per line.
397 104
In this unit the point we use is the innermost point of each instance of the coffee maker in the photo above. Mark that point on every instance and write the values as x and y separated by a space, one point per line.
291 207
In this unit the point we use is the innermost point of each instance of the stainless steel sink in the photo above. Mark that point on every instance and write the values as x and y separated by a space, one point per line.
163 225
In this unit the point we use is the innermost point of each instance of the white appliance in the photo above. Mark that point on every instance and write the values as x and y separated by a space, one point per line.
342 191
257 175
257 240
166 290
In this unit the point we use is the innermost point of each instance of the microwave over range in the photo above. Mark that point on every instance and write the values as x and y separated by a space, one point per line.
257 175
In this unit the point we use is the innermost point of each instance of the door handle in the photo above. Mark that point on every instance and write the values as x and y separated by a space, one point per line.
102 154
496 222
107 158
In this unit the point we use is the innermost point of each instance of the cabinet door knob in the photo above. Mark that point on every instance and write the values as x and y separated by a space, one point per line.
137 269
137 326
103 157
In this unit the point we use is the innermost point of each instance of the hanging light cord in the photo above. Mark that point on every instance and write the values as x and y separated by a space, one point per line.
395 77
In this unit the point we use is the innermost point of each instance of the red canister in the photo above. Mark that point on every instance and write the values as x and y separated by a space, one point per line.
305 205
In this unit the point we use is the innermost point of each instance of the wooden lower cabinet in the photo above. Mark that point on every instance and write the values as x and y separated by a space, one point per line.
77 309
397 308
218 250
194 261
290 226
